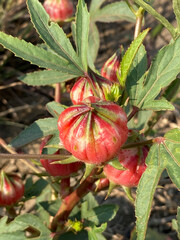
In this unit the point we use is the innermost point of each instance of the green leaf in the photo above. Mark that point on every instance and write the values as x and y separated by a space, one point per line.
163 71
53 35
164 154
176 7
15 229
101 214
36 55
116 164
95 5
94 43
172 90
51 206
46 77
82 31
55 109
39 129
82 235
114 12
176 223
136 74
35 189
129 56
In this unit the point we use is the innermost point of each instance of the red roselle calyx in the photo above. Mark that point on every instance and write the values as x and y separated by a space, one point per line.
111 67
61 170
11 189
83 89
93 131
133 160
58 10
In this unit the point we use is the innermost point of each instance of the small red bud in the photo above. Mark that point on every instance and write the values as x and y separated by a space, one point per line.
93 131
134 162
61 170
58 10
83 89
11 189
111 66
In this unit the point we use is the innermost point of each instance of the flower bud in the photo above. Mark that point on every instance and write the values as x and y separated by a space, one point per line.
111 67
94 85
61 170
58 10
93 131
11 189
133 159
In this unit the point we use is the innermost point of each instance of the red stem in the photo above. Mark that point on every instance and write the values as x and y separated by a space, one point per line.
134 111
71 200
64 187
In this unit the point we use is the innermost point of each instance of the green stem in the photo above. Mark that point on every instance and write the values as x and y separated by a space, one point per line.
131 7
158 16
139 19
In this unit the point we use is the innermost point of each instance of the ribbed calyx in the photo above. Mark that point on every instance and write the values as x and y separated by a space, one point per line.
111 67
61 170
133 159
11 189
94 130
58 10
90 85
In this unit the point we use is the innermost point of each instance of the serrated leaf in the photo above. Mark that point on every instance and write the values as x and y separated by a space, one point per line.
54 108
164 154
39 129
172 90
159 105
46 77
82 32
36 55
95 5
136 74
15 229
129 56
114 12
94 43
101 214
51 207
176 7
53 35
163 71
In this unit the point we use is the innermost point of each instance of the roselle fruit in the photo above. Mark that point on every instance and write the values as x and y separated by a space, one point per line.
58 10
111 66
61 170
82 88
94 130
11 189
133 160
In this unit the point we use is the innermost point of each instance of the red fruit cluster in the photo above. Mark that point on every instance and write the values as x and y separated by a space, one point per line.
133 160
93 131
61 170
58 10
83 88
11 189
111 67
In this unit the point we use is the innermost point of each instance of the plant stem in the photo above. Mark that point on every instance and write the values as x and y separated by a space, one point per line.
158 16
57 97
71 200
139 19
135 144
33 156
131 7
134 111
